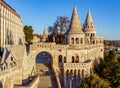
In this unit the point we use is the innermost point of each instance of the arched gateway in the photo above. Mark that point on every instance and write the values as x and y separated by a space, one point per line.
44 58
43 63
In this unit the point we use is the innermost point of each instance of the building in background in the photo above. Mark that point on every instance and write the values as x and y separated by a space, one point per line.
11 27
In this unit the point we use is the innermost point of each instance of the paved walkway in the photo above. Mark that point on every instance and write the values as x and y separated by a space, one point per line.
47 78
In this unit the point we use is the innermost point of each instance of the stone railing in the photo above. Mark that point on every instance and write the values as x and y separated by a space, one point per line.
77 65
85 46
48 46
8 70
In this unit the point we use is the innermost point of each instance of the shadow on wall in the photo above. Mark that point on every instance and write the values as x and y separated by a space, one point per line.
28 48
20 41
1 86
9 37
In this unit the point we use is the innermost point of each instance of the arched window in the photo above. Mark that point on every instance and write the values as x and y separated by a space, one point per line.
93 42
64 59
72 40
67 73
91 34
75 75
81 41
77 59
60 58
11 58
79 73
77 40
82 73
72 59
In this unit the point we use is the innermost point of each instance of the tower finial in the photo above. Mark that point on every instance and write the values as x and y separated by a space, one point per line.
75 25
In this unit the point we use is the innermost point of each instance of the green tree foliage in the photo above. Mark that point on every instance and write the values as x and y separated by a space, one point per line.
109 68
28 31
94 81
115 76
112 54
59 28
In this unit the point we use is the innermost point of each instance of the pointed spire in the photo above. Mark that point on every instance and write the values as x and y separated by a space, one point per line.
44 32
89 17
89 24
75 25
45 35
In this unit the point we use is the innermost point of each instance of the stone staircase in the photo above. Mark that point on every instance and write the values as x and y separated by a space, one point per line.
47 77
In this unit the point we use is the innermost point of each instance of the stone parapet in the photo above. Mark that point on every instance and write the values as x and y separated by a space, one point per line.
77 65
48 46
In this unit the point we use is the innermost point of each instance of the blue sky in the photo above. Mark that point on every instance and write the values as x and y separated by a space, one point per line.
43 13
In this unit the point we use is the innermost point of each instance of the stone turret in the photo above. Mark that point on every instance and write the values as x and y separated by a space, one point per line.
88 26
75 34
45 35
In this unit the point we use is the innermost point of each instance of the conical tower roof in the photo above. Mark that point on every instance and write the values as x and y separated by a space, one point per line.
75 25
89 24
89 17
44 33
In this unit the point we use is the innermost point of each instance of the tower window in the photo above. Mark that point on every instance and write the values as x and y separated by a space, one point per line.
72 59
11 58
77 40
81 41
72 40
60 58
77 59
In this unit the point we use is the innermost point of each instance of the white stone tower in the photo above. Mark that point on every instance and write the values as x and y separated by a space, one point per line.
88 27
75 34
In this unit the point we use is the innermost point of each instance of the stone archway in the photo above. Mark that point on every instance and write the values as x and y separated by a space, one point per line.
43 63
44 57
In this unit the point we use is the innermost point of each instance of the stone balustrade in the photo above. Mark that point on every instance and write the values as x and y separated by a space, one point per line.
48 46
8 70
77 65
55 46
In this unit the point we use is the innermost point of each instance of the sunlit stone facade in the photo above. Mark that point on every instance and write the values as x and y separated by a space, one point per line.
71 62
11 27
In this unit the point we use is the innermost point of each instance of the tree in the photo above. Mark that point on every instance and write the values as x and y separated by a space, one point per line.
112 54
115 76
59 27
94 81
28 31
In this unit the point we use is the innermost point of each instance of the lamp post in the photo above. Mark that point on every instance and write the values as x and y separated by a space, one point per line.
71 80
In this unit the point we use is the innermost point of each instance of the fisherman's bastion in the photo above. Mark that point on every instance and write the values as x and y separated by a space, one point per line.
46 64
